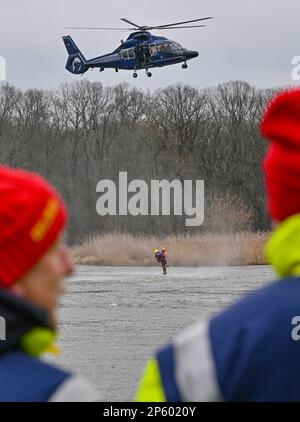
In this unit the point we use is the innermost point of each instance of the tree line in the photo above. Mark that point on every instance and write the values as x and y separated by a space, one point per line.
84 132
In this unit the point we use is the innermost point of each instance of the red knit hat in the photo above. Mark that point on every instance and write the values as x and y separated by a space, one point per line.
281 126
32 214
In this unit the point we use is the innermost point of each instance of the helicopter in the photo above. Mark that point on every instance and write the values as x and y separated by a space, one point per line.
141 50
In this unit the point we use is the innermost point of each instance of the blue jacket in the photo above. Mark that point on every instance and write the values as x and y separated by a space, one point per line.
249 352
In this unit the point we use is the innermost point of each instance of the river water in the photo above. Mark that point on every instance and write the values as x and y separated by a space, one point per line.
113 318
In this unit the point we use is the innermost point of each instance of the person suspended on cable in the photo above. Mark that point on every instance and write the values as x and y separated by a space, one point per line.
161 258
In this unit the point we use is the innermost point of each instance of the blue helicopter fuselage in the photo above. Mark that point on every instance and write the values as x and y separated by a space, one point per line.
160 51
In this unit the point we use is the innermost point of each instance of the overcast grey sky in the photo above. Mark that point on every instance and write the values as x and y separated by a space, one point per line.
251 40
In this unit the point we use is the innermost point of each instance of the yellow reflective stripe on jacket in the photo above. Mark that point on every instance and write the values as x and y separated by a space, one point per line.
151 387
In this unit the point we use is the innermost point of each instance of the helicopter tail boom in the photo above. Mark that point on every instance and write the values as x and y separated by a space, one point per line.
76 61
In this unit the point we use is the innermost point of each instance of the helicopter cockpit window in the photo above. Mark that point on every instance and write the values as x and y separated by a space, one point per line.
153 49
177 46
164 48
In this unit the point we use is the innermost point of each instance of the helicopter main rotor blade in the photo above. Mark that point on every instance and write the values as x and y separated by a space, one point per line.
96 28
182 27
181 23
93 28
131 23
146 28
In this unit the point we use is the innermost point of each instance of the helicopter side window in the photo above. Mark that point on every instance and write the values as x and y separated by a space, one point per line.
153 49
124 54
128 54
131 53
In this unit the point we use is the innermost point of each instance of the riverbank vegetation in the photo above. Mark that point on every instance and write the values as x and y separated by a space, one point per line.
192 250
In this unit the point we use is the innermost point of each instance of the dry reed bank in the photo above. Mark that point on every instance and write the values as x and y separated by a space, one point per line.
200 250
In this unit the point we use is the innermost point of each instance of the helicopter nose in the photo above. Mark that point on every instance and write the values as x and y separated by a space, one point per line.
191 54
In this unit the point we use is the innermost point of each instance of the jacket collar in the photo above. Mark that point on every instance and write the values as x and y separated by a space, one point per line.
283 248
27 326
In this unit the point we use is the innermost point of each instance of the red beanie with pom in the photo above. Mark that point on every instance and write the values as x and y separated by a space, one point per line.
32 215
281 126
